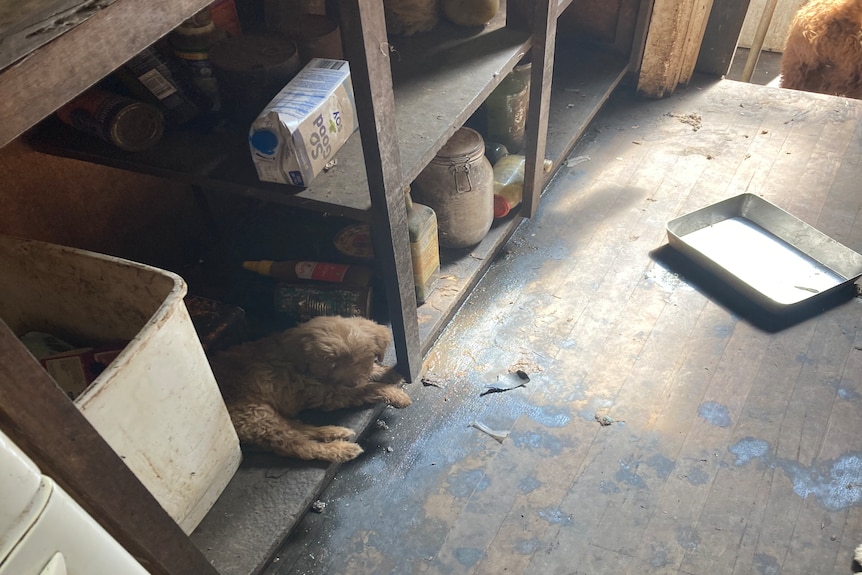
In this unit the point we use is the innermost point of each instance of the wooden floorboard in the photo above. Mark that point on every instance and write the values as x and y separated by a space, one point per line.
734 442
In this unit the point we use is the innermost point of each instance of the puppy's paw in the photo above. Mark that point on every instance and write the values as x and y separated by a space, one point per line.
333 432
396 397
340 451
386 374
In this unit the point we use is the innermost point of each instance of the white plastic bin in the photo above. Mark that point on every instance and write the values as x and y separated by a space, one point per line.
157 404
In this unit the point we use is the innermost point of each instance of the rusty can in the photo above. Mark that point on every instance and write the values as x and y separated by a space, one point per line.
127 123
301 302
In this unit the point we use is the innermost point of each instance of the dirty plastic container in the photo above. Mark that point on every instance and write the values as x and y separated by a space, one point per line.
509 183
157 404
458 184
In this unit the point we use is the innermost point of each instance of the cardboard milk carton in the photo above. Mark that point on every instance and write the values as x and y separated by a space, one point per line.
305 124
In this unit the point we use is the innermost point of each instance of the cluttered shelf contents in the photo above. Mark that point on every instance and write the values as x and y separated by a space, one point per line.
442 79
439 79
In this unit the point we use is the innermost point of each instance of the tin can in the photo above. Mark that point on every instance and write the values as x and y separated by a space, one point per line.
251 69
191 42
129 124
458 184
301 302
316 35
355 243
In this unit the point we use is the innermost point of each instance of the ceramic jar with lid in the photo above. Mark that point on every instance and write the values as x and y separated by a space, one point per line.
458 184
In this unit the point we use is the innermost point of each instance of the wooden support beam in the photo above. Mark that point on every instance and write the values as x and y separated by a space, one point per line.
542 72
363 29
41 420
673 41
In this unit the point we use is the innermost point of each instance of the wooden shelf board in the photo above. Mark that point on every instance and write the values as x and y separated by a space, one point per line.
264 501
29 24
441 78
460 271
584 77
51 75
219 161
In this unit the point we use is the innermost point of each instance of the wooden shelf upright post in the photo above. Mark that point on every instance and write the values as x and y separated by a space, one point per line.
367 49
541 18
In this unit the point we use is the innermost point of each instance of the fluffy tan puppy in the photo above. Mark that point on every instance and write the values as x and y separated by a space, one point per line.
327 363
823 52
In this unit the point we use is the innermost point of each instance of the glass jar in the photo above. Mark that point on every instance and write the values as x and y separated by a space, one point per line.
506 108
458 184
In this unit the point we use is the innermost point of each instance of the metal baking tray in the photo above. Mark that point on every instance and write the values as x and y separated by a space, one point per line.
768 254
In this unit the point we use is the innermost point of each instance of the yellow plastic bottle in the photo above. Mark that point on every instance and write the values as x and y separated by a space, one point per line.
509 183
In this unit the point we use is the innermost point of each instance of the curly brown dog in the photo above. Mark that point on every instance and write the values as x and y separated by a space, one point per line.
823 52
327 363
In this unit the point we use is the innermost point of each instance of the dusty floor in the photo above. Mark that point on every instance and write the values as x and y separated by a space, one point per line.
733 439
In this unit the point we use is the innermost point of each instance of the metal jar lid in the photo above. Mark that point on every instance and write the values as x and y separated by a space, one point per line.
137 126
465 145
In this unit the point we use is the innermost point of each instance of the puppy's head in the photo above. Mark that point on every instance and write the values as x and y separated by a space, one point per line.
342 351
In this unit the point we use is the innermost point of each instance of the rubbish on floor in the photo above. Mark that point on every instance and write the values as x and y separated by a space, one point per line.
507 382
572 162
380 424
431 381
318 506
498 435
605 420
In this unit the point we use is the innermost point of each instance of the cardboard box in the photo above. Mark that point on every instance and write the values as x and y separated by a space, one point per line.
305 124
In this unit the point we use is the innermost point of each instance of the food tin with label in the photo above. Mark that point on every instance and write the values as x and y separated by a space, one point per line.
129 124
301 302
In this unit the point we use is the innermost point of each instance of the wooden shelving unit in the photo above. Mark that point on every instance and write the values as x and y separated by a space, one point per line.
437 82
412 94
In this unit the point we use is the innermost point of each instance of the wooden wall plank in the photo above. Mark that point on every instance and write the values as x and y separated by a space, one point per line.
673 40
